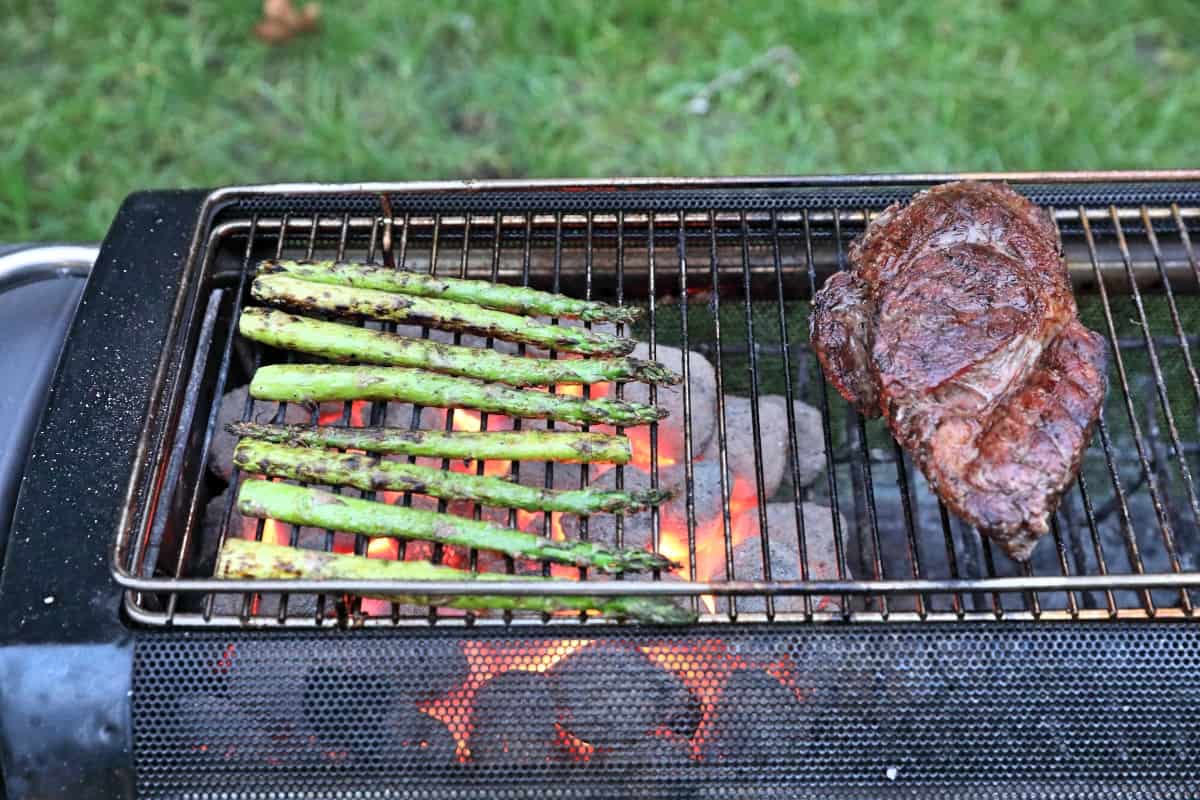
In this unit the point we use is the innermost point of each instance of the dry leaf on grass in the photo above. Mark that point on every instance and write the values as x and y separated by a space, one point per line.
282 21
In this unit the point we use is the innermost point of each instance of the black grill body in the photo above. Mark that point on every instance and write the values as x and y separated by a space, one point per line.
93 704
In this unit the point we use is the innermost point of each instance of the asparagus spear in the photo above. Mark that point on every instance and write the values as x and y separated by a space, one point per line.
258 560
339 342
319 509
514 299
369 473
528 445
318 383
447 315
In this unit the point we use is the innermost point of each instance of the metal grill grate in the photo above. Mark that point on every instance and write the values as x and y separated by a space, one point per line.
729 283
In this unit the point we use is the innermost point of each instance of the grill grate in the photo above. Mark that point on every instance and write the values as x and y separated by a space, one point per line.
729 282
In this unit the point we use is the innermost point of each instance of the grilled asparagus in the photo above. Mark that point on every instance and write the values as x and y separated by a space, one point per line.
316 383
569 446
319 509
258 560
448 315
339 342
369 474
514 299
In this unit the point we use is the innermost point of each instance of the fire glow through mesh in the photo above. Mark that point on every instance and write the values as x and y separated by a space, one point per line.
603 712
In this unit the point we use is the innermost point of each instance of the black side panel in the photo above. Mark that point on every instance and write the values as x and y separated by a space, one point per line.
34 320
65 656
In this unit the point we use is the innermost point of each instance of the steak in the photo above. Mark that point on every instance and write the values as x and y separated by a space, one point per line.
956 322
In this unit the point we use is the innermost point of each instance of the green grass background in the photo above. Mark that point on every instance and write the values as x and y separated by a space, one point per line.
101 99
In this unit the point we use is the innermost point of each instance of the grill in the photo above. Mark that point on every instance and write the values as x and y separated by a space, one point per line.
723 269
814 551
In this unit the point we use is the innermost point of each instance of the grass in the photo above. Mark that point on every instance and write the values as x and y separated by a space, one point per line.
104 98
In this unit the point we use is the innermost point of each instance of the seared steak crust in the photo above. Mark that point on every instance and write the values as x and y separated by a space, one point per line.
956 322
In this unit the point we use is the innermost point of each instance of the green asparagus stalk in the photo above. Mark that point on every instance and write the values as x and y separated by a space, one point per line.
560 446
339 342
318 383
514 299
370 473
240 559
318 509
448 315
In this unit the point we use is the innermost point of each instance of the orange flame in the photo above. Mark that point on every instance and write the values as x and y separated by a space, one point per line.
595 391
668 444
710 536
275 532
383 547
668 447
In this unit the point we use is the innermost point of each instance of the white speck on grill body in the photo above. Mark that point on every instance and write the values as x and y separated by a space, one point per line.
48 599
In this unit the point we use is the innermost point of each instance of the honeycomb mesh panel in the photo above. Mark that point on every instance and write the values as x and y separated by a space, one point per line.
1089 710
650 199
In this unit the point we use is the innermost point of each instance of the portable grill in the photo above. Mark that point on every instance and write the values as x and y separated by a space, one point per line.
1072 675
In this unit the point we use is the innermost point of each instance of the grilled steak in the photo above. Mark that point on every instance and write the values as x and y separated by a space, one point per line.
956 322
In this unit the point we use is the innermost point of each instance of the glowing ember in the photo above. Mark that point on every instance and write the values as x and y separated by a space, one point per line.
704 667
472 422
358 414
533 521
343 544
526 519
596 390
383 548
487 660
226 659
668 444
275 532
581 750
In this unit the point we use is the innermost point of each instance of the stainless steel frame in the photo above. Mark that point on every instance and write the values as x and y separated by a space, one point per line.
1144 264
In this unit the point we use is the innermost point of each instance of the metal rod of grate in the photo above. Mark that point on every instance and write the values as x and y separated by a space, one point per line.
731 286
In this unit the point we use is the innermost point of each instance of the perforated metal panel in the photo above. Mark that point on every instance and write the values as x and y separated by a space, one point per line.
1105 710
